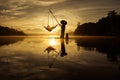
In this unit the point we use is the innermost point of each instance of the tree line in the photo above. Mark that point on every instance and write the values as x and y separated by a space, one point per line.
6 31
106 26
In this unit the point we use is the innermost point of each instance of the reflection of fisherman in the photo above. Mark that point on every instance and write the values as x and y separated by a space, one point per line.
63 22
63 51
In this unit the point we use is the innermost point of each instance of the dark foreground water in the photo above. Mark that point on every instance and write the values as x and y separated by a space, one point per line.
50 58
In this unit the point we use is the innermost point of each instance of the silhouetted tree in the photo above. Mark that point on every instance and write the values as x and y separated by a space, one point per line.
87 29
112 13
105 26
78 24
9 31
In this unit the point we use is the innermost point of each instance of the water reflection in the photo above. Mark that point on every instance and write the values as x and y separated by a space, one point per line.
53 53
63 50
50 49
10 40
52 42
108 46
36 58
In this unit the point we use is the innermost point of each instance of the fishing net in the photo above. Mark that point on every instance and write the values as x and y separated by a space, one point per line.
51 20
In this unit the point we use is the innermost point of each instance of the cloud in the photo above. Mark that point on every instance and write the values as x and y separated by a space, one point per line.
27 14
46 2
34 31
24 8
12 8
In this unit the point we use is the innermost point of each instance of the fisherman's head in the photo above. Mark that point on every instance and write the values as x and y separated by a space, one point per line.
63 22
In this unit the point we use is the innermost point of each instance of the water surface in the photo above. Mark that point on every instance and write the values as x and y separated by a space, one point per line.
50 58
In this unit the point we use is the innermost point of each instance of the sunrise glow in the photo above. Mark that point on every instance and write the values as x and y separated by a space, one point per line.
30 15
52 42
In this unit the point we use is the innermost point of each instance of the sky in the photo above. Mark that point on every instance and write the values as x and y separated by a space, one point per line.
30 15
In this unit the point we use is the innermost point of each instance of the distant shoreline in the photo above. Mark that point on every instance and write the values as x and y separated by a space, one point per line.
57 36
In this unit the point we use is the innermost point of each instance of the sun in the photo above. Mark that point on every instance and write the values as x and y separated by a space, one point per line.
52 42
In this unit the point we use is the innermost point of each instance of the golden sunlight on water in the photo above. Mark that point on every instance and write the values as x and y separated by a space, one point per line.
52 42
48 56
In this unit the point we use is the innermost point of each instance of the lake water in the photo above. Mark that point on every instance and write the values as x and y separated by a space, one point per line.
50 58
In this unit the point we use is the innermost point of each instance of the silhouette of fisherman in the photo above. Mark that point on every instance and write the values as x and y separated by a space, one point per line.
63 51
63 22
